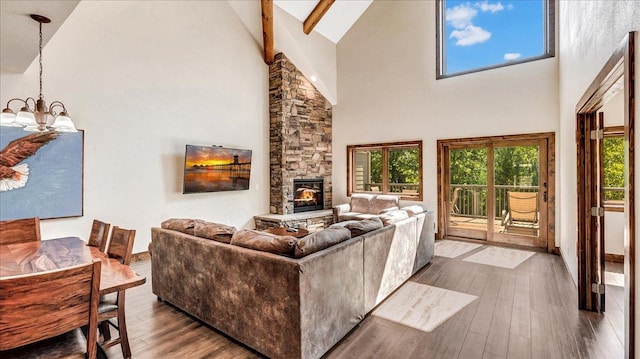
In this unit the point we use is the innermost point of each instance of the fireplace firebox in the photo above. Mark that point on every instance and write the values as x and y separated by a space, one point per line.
308 195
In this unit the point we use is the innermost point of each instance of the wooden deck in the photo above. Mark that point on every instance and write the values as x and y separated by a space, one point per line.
526 312
480 224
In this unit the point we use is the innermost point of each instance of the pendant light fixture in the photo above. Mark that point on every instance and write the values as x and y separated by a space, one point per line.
40 116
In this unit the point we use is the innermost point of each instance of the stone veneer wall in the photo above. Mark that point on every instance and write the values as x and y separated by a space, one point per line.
299 134
302 220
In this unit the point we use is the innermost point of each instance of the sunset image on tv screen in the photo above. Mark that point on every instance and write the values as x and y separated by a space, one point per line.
213 169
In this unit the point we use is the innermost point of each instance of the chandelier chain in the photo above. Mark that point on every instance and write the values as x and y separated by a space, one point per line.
40 61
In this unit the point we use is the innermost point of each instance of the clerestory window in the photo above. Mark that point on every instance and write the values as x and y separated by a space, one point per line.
481 35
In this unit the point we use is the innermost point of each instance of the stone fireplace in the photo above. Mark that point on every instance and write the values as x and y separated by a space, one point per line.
299 139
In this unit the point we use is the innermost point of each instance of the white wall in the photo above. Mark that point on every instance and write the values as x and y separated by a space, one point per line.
389 92
614 233
614 110
589 33
144 78
313 54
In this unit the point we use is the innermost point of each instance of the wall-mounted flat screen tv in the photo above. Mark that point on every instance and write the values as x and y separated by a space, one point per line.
214 169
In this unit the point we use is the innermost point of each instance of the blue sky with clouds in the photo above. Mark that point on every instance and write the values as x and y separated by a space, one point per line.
486 33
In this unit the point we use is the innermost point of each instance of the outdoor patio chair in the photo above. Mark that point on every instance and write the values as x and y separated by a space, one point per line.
522 210
454 201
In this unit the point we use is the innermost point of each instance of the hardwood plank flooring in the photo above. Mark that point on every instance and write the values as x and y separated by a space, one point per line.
526 312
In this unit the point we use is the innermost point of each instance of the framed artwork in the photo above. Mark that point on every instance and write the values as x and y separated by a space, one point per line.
41 174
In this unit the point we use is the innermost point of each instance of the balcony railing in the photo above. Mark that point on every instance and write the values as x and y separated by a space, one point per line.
393 187
472 199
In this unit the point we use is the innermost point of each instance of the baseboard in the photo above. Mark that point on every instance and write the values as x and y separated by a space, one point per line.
142 256
615 258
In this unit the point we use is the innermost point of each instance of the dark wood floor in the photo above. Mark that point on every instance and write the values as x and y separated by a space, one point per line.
527 312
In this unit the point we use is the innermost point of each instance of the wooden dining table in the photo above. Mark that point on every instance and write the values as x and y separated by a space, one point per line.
23 259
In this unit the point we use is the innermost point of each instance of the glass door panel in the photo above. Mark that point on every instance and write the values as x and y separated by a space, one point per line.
468 193
518 194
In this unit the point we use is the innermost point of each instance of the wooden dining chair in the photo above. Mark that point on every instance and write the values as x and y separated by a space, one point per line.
20 230
120 248
40 313
99 235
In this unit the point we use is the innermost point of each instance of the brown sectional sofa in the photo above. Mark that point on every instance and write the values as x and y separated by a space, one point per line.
285 307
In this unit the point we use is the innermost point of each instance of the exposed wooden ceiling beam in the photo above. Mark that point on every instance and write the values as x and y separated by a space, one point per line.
318 12
267 31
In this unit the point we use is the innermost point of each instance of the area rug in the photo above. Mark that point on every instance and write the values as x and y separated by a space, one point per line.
422 306
500 257
453 249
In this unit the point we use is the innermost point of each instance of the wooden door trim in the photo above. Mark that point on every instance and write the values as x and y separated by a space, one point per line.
491 190
621 63
444 145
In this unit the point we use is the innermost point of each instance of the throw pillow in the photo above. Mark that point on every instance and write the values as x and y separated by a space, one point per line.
318 241
184 225
216 231
262 241
393 217
414 209
361 227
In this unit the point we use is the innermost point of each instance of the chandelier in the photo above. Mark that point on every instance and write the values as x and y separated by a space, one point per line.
38 118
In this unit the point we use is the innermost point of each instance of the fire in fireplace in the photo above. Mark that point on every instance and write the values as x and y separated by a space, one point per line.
308 195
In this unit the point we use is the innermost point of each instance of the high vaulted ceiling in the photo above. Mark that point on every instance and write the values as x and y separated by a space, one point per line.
19 33
335 23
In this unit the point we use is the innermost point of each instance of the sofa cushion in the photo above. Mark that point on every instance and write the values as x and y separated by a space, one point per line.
320 240
359 228
393 217
382 202
216 231
414 209
263 241
360 202
343 223
184 225
355 216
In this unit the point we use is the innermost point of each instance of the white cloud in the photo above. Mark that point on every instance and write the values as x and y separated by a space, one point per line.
510 56
460 16
470 35
493 8
510 7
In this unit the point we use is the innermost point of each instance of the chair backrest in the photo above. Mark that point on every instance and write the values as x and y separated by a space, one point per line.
47 304
121 244
454 200
99 235
523 206
20 230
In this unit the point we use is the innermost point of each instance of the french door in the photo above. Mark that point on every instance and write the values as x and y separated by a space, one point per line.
498 189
